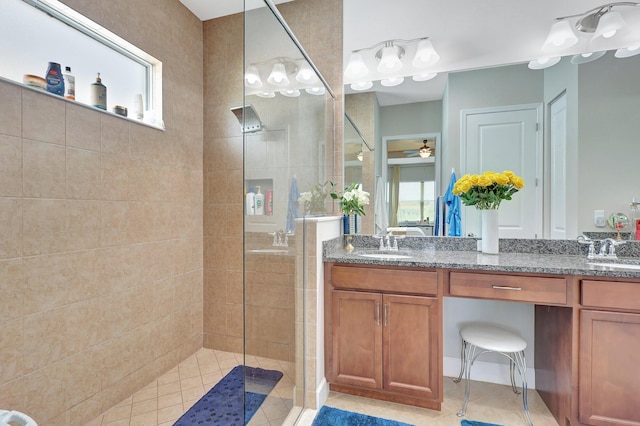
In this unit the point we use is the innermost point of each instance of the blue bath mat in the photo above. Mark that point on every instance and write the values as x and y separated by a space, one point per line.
474 423
225 403
328 416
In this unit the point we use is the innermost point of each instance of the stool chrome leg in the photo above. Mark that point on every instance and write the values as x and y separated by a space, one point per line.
463 360
469 358
522 369
512 369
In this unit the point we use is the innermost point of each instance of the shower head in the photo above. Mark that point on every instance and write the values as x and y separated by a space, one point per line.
248 118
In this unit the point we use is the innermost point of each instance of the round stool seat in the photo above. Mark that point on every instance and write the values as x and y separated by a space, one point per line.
492 338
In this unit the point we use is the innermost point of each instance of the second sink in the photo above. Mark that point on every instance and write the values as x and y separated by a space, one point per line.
615 265
385 255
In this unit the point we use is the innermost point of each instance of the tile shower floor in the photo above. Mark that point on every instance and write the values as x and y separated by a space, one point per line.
164 400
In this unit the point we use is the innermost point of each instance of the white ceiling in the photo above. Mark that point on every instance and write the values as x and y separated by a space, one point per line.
466 33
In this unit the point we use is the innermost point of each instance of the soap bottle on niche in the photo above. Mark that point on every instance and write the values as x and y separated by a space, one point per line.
55 81
259 202
98 94
70 84
250 202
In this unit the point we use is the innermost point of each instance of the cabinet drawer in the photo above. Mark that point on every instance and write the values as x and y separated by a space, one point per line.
611 294
382 279
509 287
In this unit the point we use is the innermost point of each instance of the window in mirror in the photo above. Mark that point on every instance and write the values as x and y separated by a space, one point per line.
416 202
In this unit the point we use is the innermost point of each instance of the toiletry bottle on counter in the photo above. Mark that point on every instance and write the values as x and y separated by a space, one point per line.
98 94
55 81
259 202
268 203
250 201
69 84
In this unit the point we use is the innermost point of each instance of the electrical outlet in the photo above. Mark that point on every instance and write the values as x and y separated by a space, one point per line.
598 218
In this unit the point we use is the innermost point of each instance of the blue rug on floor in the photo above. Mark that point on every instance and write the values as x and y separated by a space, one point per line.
225 403
328 416
474 423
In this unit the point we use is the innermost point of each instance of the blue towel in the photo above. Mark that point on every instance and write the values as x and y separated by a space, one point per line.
436 228
292 208
453 202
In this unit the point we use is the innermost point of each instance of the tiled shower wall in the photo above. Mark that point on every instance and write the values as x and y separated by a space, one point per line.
318 26
101 231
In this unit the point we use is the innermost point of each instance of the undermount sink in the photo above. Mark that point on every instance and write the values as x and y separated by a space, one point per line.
616 265
385 255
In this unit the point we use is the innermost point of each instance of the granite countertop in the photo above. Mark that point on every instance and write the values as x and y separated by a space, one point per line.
431 257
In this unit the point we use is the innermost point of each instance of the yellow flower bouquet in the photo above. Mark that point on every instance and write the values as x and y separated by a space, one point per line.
487 190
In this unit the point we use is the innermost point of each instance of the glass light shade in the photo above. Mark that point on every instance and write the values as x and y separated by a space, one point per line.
542 63
392 81
362 85
424 76
278 76
252 77
586 57
389 60
305 74
292 93
315 91
610 23
356 68
266 95
426 55
560 37
360 156
628 52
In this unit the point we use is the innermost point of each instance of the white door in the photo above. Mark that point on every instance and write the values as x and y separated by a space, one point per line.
558 169
506 138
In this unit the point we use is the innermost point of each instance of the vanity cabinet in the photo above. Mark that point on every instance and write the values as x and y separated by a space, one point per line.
609 389
382 339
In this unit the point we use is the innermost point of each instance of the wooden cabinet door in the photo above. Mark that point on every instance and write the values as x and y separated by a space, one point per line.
410 342
609 390
357 339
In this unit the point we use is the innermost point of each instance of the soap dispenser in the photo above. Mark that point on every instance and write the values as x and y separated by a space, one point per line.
98 94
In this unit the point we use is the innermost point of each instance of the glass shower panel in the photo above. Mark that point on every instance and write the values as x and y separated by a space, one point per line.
287 119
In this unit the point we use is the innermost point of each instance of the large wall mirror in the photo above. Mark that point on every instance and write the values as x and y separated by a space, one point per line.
582 154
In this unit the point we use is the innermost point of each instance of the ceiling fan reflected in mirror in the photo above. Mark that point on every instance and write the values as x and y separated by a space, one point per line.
425 150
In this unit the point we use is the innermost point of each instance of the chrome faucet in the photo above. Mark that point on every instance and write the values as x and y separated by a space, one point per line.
386 243
280 238
582 239
612 244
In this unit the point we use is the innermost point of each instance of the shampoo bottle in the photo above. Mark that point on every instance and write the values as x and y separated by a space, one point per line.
250 201
69 84
98 94
268 203
55 81
259 202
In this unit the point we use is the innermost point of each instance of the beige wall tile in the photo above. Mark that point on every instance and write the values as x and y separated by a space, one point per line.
11 117
11 228
10 165
44 226
44 339
43 117
82 127
44 169
114 135
83 174
11 350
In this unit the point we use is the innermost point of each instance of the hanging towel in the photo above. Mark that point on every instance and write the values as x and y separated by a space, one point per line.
436 228
292 208
381 216
453 202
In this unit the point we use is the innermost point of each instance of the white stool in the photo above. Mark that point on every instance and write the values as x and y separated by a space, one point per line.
490 338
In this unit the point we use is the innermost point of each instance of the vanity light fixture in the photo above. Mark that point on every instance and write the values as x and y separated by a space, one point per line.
602 21
252 77
290 93
398 58
287 76
317 91
267 95
305 74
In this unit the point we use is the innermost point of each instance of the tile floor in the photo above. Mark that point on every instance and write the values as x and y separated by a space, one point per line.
164 400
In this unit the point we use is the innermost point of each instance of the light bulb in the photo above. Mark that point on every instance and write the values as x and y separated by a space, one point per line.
356 68
390 59
305 74
424 76
426 55
362 85
278 76
252 77
392 81
560 37
610 23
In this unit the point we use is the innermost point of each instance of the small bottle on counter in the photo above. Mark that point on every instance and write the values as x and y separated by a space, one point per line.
69 84
98 94
250 202
55 81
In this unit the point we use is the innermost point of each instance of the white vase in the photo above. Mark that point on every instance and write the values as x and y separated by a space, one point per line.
490 242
